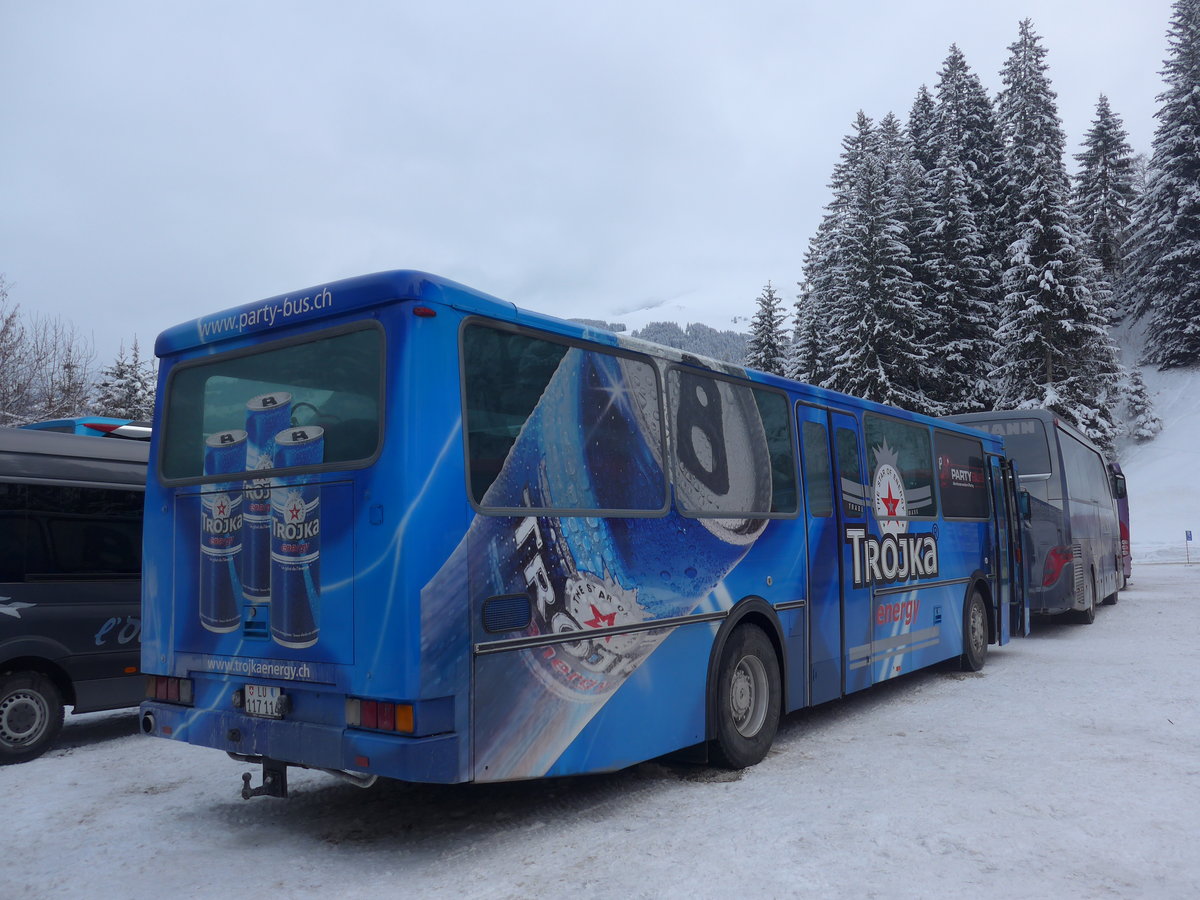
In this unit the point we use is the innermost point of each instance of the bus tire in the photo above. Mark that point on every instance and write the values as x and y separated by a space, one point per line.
31 716
1111 599
1087 615
748 699
975 633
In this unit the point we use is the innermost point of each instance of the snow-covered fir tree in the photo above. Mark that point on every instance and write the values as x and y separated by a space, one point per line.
1162 279
961 290
922 129
913 212
969 137
872 303
1054 350
1144 423
811 356
126 388
1103 190
804 354
766 349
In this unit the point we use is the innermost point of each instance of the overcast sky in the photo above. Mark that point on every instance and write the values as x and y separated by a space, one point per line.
621 160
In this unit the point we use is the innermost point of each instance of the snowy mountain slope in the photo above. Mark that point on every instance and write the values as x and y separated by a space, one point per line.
1164 494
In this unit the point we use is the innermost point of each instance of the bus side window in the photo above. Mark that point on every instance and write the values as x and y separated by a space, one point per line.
850 470
961 482
773 409
818 472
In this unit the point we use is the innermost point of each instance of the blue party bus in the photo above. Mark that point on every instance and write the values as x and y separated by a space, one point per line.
397 527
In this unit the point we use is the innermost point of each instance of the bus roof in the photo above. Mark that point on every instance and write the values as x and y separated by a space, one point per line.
1047 417
325 300
365 291
50 456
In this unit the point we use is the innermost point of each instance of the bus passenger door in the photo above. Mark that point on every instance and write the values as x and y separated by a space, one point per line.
824 556
999 552
1015 526
857 607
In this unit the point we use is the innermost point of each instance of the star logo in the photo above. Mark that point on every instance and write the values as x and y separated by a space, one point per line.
295 511
600 620
890 502
889 499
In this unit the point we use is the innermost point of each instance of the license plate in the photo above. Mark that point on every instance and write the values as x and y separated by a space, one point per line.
265 701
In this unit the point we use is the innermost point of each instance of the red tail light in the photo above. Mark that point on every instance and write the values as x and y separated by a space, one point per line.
170 690
379 715
1057 559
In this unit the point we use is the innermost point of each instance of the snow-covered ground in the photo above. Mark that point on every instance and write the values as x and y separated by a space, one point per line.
1068 768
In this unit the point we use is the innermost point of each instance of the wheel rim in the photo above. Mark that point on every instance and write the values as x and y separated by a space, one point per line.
978 628
748 693
23 717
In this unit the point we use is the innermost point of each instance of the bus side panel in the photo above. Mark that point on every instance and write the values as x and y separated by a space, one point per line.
922 626
636 724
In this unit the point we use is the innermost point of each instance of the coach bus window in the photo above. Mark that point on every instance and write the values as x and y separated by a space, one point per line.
1024 442
332 383
961 476
551 426
900 448
1087 477
817 472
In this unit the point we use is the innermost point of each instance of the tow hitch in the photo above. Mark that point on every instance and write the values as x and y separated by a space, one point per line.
274 781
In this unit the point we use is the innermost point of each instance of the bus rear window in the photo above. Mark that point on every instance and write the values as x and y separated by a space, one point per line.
1024 443
223 416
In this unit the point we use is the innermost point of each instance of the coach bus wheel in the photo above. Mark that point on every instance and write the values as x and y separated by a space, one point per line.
975 633
748 698
1111 599
1087 615
31 715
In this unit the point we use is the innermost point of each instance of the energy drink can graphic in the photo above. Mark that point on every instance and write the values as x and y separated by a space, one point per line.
595 442
221 534
296 539
266 416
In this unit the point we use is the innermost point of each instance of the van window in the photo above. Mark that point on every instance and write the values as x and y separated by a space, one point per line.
69 532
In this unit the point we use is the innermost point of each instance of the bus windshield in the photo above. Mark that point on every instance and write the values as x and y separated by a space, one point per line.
332 382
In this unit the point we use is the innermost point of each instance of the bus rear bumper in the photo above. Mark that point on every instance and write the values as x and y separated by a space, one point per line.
434 758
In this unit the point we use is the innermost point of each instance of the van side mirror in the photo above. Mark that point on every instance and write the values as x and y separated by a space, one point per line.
1024 505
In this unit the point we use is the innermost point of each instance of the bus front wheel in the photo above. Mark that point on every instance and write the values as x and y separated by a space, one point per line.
31 715
975 633
748 698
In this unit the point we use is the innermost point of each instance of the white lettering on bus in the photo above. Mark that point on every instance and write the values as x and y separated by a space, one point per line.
892 558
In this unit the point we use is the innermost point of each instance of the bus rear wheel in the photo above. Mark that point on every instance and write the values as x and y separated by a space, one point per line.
31 715
975 633
1087 615
748 698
